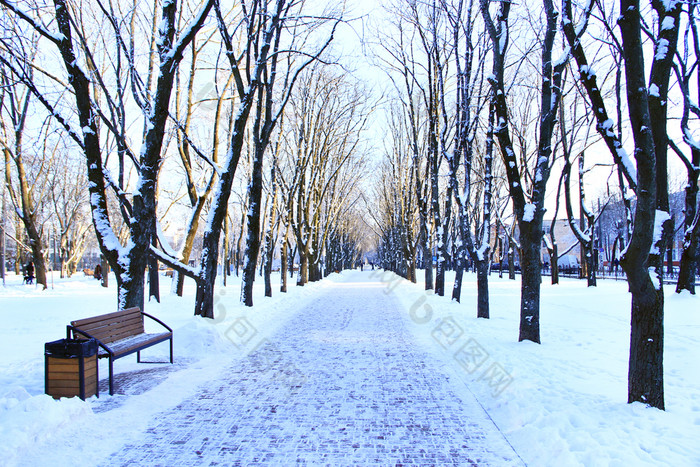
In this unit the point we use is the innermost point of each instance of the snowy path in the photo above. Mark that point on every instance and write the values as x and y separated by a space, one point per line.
343 382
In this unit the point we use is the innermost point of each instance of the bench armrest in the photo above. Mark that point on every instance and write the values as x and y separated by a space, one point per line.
158 321
75 330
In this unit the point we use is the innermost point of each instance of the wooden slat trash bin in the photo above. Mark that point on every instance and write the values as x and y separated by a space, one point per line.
71 368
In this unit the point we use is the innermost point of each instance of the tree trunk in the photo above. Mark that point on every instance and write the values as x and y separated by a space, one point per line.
645 379
590 266
37 254
689 254
482 289
531 276
646 375
688 266
412 268
283 267
292 257
153 277
252 246
427 254
131 282
267 274
204 303
459 277
554 258
225 249
105 271
511 260
314 271
303 274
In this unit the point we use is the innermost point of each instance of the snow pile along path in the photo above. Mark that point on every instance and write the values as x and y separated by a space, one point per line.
342 382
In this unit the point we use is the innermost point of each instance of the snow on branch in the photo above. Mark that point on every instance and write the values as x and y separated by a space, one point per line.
660 218
176 265
187 37
40 28
165 244
21 75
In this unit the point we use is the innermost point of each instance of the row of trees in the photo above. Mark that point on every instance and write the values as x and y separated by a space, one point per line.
479 124
229 115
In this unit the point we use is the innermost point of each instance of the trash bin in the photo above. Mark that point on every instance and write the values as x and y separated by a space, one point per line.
71 368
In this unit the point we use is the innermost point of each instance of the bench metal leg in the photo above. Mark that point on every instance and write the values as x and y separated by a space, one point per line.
138 357
171 350
111 377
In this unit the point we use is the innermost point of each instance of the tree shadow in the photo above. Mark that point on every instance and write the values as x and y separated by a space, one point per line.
134 383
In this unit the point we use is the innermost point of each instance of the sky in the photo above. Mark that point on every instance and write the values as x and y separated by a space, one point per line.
356 45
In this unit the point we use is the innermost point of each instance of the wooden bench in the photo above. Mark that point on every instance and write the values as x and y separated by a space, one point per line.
120 334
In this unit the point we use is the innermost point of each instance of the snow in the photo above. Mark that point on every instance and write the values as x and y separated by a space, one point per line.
566 402
529 212
627 163
661 50
668 23
165 244
689 138
36 430
102 225
481 251
655 279
669 4
660 218
587 71
564 57
548 242
654 90
562 403
608 126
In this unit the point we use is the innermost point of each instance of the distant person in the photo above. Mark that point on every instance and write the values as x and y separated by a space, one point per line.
29 273
97 273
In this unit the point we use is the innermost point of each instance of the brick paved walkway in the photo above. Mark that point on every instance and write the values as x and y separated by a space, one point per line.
342 383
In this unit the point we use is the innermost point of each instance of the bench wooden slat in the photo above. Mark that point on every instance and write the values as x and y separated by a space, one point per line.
110 334
113 322
107 317
125 346
114 327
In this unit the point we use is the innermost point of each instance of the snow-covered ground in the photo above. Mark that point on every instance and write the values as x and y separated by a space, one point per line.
559 403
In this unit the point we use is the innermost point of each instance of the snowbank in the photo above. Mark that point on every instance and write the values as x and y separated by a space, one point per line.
563 403
38 430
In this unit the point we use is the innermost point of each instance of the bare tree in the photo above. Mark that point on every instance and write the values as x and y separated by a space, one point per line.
90 87
642 259
274 219
30 165
68 194
686 70
199 174
328 115
396 212
529 213
268 115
